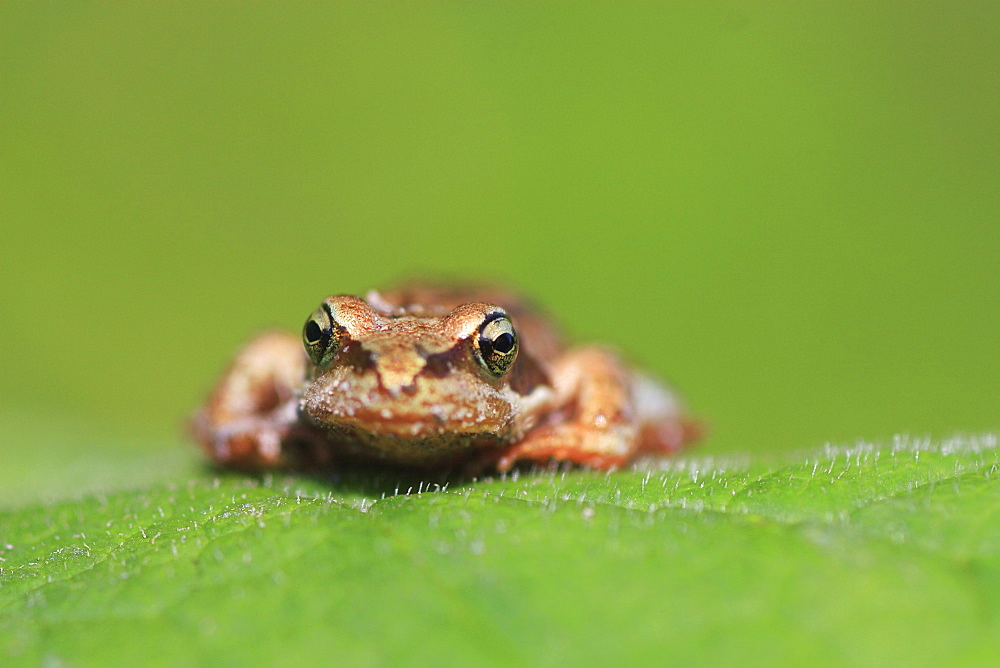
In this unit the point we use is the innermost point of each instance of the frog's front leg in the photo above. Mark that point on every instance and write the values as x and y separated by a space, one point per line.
610 414
253 409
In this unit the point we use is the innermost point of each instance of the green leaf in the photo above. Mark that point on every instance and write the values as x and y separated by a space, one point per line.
860 555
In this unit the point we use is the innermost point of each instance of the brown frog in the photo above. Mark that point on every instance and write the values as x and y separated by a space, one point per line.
434 377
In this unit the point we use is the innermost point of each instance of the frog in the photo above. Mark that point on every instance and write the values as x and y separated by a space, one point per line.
435 377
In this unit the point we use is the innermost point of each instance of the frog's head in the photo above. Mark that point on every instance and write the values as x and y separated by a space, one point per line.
410 379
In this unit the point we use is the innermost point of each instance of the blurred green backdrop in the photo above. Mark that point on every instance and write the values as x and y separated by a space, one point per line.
791 211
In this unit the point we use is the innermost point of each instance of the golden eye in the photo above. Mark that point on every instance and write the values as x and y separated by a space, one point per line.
320 336
496 344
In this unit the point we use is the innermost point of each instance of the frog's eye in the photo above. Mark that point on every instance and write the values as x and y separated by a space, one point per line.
320 336
496 343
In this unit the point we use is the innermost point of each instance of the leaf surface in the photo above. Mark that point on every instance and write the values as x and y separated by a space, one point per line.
847 555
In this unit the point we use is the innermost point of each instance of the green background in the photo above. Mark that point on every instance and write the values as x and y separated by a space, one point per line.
789 210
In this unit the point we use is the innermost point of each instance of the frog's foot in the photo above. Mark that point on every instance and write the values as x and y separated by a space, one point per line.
246 443
259 442
603 448
608 447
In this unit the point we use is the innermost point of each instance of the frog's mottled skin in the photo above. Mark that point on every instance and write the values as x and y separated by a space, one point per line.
411 377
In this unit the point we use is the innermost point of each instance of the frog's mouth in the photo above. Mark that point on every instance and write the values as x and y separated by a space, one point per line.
403 421
431 410
424 449
402 434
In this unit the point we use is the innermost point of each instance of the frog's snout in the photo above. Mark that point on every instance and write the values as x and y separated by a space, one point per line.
397 371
